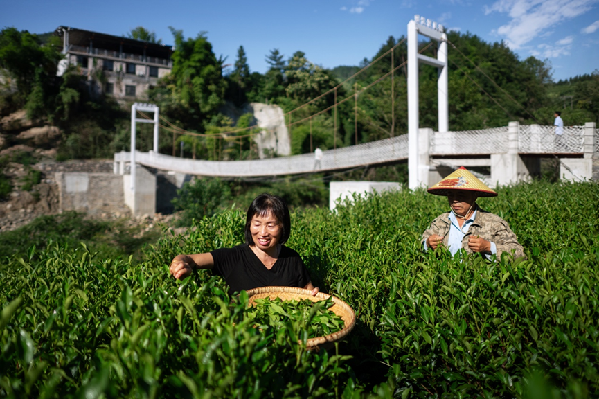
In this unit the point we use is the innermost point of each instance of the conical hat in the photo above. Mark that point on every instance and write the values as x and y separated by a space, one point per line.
462 179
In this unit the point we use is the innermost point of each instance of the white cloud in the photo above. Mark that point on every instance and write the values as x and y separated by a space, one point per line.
359 8
456 29
591 28
566 40
444 17
561 47
530 18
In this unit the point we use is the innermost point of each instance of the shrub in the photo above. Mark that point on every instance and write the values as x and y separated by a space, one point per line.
202 198
428 325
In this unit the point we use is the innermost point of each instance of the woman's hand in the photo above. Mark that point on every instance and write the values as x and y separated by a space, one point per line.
434 241
181 267
315 290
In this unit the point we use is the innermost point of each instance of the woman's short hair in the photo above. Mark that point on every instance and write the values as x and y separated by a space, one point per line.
262 205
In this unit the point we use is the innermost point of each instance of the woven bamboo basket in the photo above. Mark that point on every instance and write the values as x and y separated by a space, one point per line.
340 308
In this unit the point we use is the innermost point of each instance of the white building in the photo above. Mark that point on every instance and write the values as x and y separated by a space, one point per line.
116 66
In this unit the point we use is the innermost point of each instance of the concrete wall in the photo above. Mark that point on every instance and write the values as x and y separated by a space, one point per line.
96 193
341 190
92 193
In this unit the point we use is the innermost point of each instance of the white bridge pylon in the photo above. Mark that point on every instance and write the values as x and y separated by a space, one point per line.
134 120
417 168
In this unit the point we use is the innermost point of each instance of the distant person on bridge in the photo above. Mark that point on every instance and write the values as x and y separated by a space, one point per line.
262 261
559 130
317 158
468 227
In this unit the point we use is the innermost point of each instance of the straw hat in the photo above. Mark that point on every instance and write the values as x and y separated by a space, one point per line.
462 179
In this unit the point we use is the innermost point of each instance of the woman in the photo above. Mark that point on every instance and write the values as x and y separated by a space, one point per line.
262 261
467 226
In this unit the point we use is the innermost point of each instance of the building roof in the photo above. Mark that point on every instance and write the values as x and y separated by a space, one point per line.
82 37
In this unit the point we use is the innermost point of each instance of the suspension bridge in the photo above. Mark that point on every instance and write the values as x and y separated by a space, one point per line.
510 153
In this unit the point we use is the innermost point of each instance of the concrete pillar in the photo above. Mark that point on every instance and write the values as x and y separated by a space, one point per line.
156 110
424 158
442 88
588 140
576 169
504 166
122 164
591 130
414 182
142 200
65 48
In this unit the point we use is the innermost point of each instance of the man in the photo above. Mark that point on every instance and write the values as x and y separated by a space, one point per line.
468 227
559 130
317 158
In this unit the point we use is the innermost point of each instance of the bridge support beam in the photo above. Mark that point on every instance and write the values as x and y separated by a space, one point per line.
142 200
510 167
421 26
587 168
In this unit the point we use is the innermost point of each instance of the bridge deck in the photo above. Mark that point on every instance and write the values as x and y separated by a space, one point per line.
532 139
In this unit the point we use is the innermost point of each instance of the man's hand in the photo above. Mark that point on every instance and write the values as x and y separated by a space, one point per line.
434 241
477 244
180 267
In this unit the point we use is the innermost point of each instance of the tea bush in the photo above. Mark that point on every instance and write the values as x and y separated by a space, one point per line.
77 324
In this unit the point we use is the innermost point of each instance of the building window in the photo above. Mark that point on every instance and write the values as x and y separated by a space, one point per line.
82 60
131 68
130 91
108 65
153 72
109 89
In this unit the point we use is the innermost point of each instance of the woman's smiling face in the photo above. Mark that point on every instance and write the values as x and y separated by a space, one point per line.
266 231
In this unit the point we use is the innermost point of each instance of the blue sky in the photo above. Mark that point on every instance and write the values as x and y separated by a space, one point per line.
332 32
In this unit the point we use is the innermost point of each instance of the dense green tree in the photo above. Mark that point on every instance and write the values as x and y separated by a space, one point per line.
144 35
32 66
192 94
274 80
276 60
589 95
305 80
239 81
256 92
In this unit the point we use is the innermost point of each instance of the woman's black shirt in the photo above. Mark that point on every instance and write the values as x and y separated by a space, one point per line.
242 270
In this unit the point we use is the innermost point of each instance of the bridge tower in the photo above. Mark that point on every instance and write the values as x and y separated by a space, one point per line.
418 169
144 201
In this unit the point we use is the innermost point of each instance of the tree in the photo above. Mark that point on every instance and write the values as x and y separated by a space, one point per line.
193 92
274 80
239 79
32 66
306 81
275 60
144 35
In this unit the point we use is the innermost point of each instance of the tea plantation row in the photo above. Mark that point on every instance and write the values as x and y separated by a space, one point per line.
76 325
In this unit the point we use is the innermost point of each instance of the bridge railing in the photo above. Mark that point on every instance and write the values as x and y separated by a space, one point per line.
485 141
388 150
528 139
536 139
